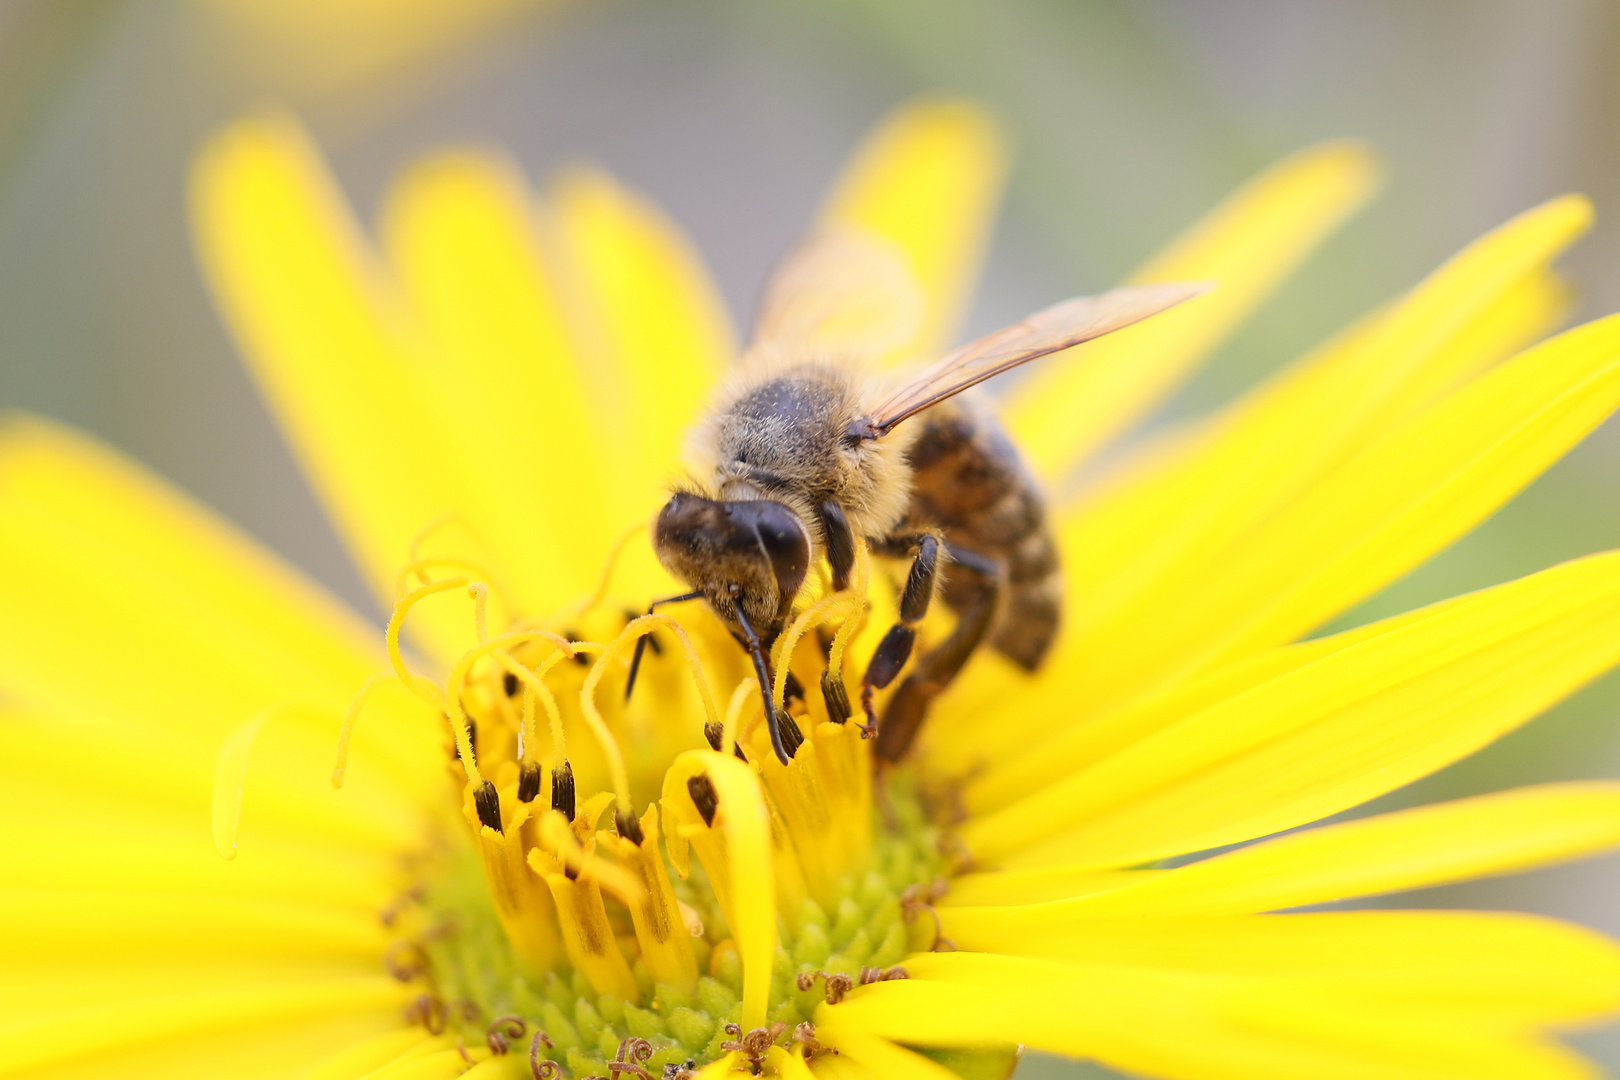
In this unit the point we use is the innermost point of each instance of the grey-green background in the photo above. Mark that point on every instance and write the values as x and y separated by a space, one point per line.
1129 119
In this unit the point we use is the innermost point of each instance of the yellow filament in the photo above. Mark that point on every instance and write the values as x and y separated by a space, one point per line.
739 699
852 621
607 571
534 686
587 694
422 687
480 598
848 603
458 681
419 567
350 716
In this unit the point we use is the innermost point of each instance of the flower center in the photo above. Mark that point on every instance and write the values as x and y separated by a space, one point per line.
593 941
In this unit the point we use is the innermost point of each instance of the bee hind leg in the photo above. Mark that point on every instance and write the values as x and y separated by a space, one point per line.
894 650
935 670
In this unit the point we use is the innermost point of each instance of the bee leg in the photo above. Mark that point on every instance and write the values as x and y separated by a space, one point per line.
786 738
935 670
840 543
641 642
895 648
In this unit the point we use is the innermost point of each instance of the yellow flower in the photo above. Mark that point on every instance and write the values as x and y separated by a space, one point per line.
522 872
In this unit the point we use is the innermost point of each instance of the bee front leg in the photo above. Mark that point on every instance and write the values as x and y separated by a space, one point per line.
895 648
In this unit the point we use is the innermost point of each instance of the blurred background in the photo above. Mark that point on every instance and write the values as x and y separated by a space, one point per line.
1128 120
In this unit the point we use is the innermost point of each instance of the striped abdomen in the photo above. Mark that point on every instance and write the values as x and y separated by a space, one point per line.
969 481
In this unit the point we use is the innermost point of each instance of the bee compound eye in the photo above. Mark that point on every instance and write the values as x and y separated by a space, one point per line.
784 540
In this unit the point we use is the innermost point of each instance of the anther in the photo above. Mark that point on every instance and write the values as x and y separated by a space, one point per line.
579 658
509 683
703 796
838 984
919 898
792 687
805 1036
631 1051
716 735
404 960
677 1071
502 1030
871 975
629 827
542 1068
528 781
488 803
836 697
427 1010
754 1045
792 737
562 789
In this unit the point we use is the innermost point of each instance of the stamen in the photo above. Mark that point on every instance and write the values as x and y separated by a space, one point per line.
587 694
635 1050
919 898
350 716
628 827
543 1069
488 802
754 1045
716 733
480 598
429 1011
528 781
730 731
838 984
612 564
535 682
824 610
805 1036
852 622
423 688
502 1030
562 789
458 681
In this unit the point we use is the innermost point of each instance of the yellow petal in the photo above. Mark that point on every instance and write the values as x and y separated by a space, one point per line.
356 1061
511 380
880 1057
661 333
737 857
928 180
37 925
96 1029
1069 405
1170 542
331 345
1517 968
1175 1024
1356 723
1409 849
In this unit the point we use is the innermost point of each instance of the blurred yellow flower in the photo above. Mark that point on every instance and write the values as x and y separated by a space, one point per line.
489 410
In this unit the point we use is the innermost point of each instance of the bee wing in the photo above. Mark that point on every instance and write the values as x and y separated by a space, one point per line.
840 291
1058 327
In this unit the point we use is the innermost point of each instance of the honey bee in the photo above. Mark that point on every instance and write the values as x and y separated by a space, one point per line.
809 452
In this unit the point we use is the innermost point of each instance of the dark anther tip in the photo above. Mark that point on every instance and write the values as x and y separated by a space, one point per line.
528 781
629 827
509 683
714 733
562 790
703 796
792 737
488 803
836 698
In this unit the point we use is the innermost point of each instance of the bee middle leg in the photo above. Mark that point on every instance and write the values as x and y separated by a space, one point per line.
935 670
927 550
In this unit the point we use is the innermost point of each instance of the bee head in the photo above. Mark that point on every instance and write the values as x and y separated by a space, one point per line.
749 554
